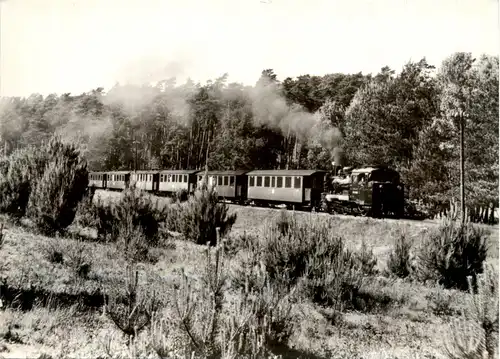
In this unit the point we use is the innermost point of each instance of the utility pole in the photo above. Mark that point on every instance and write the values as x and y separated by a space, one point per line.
462 165
462 116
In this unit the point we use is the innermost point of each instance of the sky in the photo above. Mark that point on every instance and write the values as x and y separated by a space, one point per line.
59 46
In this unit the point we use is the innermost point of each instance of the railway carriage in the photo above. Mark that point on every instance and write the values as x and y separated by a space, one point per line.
118 180
145 180
171 181
97 179
300 188
230 185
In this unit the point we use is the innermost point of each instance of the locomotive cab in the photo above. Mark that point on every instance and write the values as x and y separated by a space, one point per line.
376 191
379 189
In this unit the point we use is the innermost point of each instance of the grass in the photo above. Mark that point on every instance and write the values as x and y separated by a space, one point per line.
396 318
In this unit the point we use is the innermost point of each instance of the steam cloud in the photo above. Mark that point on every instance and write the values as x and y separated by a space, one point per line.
270 108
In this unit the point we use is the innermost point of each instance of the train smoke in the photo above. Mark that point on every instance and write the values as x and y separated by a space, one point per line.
142 83
270 108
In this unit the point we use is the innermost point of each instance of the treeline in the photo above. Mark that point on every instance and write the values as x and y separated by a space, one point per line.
406 120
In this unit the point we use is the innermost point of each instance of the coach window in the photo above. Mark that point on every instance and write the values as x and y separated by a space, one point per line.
259 181
273 181
231 180
288 182
226 180
279 182
219 180
267 181
252 181
297 182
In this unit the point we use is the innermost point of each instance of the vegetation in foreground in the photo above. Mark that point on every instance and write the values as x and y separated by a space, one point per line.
194 279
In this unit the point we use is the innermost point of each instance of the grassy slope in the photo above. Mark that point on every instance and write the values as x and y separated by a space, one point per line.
405 329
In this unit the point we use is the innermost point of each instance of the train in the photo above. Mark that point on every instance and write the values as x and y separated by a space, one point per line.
375 191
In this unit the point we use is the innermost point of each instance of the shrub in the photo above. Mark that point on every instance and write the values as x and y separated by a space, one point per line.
136 211
85 211
181 195
366 259
133 222
452 253
310 254
203 213
440 302
131 311
475 335
79 259
104 220
399 259
55 197
20 173
246 324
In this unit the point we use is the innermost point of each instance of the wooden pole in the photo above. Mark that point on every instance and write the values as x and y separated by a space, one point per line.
462 167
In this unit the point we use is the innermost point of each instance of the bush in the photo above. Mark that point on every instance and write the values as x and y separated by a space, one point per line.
310 254
211 322
136 210
131 308
55 197
202 214
181 195
399 259
475 335
366 259
133 222
85 211
452 253
20 173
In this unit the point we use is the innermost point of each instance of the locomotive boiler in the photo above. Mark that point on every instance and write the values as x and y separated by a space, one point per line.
374 191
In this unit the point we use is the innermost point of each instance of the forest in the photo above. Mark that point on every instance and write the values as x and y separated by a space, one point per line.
407 120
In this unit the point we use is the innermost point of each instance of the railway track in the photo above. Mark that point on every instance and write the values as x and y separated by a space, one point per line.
234 206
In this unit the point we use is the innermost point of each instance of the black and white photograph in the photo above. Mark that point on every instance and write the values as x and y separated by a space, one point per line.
226 179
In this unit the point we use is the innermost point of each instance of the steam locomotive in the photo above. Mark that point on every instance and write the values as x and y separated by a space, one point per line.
374 191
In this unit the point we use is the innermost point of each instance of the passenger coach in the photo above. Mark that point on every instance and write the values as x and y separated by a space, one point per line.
230 185
301 188
97 179
118 180
145 180
171 181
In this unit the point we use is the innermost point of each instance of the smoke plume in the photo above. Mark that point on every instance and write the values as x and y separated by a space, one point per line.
270 108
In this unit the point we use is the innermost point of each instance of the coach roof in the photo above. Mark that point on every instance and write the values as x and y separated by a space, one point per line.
223 173
284 172
178 172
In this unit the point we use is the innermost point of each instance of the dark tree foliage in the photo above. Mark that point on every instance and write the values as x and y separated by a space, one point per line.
398 118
